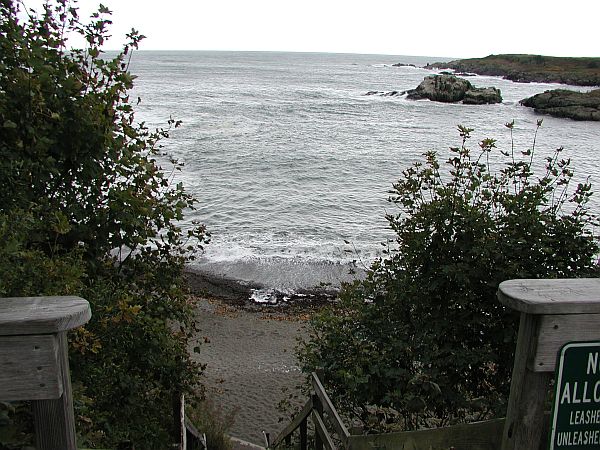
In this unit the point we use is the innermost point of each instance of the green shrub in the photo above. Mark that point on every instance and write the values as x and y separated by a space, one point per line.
87 209
423 340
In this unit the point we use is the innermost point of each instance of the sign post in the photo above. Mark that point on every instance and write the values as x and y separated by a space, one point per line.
553 313
576 411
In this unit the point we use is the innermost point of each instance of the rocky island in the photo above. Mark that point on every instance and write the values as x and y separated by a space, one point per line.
565 103
452 89
447 88
530 68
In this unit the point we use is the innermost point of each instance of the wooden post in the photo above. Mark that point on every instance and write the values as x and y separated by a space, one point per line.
553 312
318 407
525 414
303 435
34 362
54 420
179 428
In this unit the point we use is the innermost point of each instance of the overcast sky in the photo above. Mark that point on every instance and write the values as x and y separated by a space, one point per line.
453 28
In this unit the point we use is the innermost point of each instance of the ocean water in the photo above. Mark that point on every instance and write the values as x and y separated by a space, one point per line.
292 162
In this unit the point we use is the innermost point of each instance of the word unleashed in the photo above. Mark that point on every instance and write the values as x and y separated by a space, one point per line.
572 438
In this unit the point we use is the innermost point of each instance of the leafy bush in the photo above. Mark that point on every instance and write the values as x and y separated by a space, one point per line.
423 340
87 209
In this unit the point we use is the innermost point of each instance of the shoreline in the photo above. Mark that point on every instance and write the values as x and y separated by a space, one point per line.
248 349
241 294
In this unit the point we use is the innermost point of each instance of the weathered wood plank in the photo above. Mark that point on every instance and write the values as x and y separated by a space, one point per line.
525 414
295 423
54 419
303 435
559 296
556 330
29 367
473 436
317 410
486 435
42 315
322 431
328 407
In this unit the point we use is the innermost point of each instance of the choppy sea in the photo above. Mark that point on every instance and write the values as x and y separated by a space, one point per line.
292 162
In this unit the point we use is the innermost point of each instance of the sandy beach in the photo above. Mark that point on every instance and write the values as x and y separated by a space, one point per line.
250 363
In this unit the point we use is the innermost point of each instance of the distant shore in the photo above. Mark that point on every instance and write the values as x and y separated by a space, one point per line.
530 68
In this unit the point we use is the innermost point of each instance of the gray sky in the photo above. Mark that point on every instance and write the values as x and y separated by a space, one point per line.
455 28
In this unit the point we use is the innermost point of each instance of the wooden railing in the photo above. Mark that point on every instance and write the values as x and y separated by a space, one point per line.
486 435
34 362
34 366
553 313
321 410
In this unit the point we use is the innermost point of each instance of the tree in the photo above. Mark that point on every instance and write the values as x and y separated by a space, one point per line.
86 208
423 336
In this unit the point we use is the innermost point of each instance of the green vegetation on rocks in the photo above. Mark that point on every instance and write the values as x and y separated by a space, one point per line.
566 103
88 207
422 340
531 68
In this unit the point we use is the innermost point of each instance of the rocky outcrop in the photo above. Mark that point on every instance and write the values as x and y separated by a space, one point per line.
385 94
564 103
530 68
482 96
451 89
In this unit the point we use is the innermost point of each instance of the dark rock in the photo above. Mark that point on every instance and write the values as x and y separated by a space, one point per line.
440 88
482 96
403 65
568 104
385 94
451 89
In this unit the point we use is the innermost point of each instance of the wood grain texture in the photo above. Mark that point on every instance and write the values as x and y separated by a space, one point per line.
556 330
54 419
29 367
322 431
317 411
486 435
42 315
298 420
474 436
525 413
328 407
559 296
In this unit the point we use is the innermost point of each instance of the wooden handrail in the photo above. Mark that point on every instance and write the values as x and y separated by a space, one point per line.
34 362
295 423
322 430
317 404
328 407
553 313
556 315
